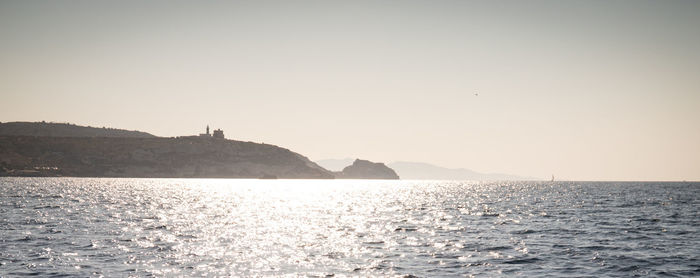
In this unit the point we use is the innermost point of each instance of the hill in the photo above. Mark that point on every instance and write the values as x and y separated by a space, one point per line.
183 157
65 130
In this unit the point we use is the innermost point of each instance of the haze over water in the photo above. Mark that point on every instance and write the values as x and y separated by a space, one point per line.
584 90
219 227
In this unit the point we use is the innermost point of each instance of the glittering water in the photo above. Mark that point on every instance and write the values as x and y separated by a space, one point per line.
184 227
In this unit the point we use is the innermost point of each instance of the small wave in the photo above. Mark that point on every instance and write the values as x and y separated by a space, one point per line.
26 238
48 207
405 229
497 248
523 261
523 232
600 247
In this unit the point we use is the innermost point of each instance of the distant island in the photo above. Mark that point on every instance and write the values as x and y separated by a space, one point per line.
364 169
60 149
425 171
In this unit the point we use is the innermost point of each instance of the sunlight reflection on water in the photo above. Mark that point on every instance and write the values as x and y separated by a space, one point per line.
219 227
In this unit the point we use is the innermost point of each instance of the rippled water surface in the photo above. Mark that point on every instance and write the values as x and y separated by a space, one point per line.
184 227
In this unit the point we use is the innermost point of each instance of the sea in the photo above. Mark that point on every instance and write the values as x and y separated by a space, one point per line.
122 227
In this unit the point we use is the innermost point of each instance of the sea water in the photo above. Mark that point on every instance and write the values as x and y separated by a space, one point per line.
226 227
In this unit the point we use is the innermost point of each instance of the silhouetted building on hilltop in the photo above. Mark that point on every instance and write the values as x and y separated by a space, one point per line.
205 134
218 133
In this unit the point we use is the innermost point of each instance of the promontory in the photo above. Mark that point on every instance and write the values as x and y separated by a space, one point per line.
49 149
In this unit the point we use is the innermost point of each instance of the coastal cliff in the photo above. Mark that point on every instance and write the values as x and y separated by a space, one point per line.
364 169
183 157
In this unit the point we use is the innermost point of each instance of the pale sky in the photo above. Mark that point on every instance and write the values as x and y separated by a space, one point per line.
584 90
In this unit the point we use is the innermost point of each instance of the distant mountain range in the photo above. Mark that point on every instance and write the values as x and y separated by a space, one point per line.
335 164
425 171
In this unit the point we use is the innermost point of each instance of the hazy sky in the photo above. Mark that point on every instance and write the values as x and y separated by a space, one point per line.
594 90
